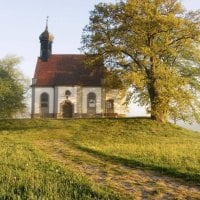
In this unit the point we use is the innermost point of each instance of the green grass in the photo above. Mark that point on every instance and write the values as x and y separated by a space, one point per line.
143 143
28 172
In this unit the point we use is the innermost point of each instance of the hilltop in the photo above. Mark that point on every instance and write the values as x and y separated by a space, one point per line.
98 159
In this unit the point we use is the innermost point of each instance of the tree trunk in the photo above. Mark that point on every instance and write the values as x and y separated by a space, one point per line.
159 112
159 106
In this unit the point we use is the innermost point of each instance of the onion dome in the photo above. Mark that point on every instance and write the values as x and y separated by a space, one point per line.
46 35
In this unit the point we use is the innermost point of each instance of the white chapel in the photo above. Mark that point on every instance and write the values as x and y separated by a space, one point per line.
63 86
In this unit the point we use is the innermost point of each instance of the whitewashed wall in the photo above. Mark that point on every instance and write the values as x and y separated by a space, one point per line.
76 100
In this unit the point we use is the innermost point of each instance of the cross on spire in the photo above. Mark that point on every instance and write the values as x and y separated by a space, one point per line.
47 20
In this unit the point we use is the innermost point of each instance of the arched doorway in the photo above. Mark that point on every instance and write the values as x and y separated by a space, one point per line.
67 109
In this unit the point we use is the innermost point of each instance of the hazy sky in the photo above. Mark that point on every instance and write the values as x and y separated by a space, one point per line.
22 22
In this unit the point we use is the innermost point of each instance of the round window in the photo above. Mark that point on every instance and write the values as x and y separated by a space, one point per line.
67 93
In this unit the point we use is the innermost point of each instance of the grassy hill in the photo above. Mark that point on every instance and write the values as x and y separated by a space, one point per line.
98 159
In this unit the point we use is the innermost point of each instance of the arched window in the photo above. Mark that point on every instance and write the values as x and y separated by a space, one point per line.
110 106
91 103
44 104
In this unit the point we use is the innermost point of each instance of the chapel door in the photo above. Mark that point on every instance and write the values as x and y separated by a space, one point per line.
67 110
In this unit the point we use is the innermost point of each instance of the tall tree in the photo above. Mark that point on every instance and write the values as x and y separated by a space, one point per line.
153 46
13 86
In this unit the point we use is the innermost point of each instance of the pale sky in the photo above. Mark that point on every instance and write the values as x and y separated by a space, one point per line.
22 21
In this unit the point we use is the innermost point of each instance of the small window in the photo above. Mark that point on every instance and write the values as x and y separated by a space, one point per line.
110 106
67 93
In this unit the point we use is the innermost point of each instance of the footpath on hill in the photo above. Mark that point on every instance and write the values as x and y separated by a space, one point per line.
130 183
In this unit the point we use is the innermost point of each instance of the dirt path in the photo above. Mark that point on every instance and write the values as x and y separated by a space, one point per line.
131 183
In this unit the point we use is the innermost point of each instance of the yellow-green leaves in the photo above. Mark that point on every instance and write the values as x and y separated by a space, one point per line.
154 43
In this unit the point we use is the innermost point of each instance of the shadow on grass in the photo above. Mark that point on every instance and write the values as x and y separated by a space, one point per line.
194 178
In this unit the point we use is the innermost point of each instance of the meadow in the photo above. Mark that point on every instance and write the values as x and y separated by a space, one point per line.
97 158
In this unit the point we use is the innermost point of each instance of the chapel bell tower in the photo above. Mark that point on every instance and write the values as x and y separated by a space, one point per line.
46 40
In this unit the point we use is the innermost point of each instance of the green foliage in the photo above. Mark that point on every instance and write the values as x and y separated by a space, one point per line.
13 87
153 46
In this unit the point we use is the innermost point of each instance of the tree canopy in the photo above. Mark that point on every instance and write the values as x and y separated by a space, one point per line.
13 86
153 46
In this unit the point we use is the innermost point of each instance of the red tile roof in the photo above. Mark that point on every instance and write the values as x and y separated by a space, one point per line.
67 70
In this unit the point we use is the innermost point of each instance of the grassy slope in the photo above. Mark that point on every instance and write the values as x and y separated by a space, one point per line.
141 142
27 173
130 142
